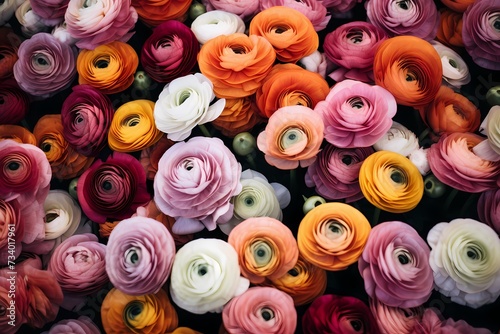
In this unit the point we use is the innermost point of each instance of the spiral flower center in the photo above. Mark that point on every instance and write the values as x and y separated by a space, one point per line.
335 229
347 160
355 36
132 311
474 253
131 121
280 30
403 5
249 201
46 147
404 257
106 185
496 24
356 103
262 253
290 137
398 176
266 313
453 63
239 50
202 270
357 325
132 255
102 62
50 217
13 166
187 164
293 272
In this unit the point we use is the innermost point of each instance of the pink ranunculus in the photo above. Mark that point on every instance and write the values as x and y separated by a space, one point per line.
395 320
340 6
113 189
356 114
314 10
260 310
395 266
82 325
52 10
11 227
170 52
352 46
139 256
86 116
195 183
481 33
245 9
454 163
99 22
432 323
15 102
407 17
488 208
335 172
45 65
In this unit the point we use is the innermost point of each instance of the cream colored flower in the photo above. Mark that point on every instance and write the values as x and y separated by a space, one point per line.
62 215
398 139
215 23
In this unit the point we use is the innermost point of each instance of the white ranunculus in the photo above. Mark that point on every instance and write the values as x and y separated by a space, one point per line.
316 62
258 198
419 159
398 139
184 103
7 9
455 70
30 22
215 23
490 127
62 214
465 259
205 276
61 33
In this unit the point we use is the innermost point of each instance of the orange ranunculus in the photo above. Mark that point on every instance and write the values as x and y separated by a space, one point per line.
153 313
109 68
9 44
133 127
236 64
333 235
290 32
391 182
154 12
150 156
65 162
17 133
451 112
239 115
459 6
184 330
266 248
450 28
288 85
106 228
410 68
303 283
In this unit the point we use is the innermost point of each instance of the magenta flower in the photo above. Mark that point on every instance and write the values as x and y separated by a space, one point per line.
335 172
352 46
395 266
50 10
245 9
139 256
314 10
86 116
170 52
82 325
407 17
356 114
15 102
113 189
45 65
488 208
340 6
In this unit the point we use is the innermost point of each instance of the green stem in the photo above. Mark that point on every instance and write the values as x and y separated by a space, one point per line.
376 216
204 130
449 199
423 134
251 161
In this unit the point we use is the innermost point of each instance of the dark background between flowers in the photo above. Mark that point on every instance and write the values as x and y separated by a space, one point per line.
347 282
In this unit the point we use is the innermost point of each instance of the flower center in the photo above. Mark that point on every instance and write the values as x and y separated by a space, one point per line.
347 159
356 103
106 185
267 314
102 62
131 121
13 165
202 270
403 5
496 24
355 37
453 63
249 201
293 272
46 147
357 325
398 176
262 253
132 310
51 216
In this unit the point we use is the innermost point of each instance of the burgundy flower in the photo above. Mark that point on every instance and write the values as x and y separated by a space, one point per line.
82 325
481 33
86 116
395 266
9 45
407 17
432 323
11 225
15 102
52 10
335 172
113 189
314 10
488 208
170 52
45 65
339 314
340 6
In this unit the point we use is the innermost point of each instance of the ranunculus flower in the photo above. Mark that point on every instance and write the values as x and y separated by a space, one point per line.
316 62
62 214
79 265
394 266
356 114
154 12
260 310
352 46
11 229
455 70
86 116
258 198
150 156
480 33
289 31
205 276
454 163
151 313
491 128
245 9
139 256
314 10
465 259
398 139
7 10
410 68
100 22
266 248
292 137
488 208
82 325
340 6
113 189
45 65
9 45
31 23
339 314
239 115
66 163
195 183
395 320
433 323
420 160
450 28
60 32
184 103
109 68
289 85
458 5
335 172
304 282
236 64
15 102
52 11
391 182
332 235
133 127
215 23
17 133
170 52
